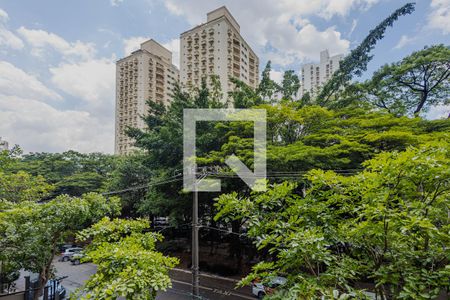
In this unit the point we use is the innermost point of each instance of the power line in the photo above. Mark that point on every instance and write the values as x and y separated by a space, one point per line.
223 174
146 186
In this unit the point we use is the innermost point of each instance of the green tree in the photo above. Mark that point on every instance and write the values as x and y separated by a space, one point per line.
311 137
267 87
356 62
243 95
30 232
387 226
127 263
419 81
162 142
290 85
71 172
21 186
131 173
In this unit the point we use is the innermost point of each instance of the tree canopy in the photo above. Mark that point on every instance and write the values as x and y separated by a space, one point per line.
127 263
387 226
412 85
31 232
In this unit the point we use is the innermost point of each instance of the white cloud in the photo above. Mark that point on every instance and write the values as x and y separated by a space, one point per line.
276 76
439 17
16 82
41 40
133 43
8 38
174 47
289 45
438 112
27 120
279 30
37 126
404 41
91 81
115 2
3 16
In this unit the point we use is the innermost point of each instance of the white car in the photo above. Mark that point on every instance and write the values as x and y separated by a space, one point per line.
66 255
260 290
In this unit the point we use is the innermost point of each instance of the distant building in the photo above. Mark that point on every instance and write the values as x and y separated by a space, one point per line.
3 145
315 76
217 48
146 74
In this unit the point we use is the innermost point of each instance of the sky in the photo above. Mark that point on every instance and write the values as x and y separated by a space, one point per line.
57 58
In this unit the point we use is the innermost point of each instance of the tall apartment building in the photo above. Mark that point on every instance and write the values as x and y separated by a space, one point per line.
217 48
146 74
3 145
315 76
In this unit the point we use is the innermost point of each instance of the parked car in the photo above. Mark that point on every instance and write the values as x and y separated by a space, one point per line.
64 247
76 259
260 290
55 287
66 255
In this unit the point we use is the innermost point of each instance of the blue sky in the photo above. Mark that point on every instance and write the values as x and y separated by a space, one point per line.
57 57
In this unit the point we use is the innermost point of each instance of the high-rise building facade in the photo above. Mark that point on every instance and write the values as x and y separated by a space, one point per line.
3 145
217 48
315 76
146 74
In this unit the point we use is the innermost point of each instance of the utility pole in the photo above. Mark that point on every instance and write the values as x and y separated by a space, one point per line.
195 267
195 228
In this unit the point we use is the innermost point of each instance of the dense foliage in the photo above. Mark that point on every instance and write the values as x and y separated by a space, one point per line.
70 172
128 265
31 232
387 225
358 197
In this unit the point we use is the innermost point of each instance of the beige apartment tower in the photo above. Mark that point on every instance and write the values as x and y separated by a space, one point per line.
217 48
314 76
146 74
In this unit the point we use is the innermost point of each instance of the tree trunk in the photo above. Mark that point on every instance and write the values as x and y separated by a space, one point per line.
44 276
423 100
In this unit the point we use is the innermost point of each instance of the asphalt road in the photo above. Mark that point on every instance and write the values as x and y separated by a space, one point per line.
211 287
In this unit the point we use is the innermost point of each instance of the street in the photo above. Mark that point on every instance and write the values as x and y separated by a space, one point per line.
211 287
